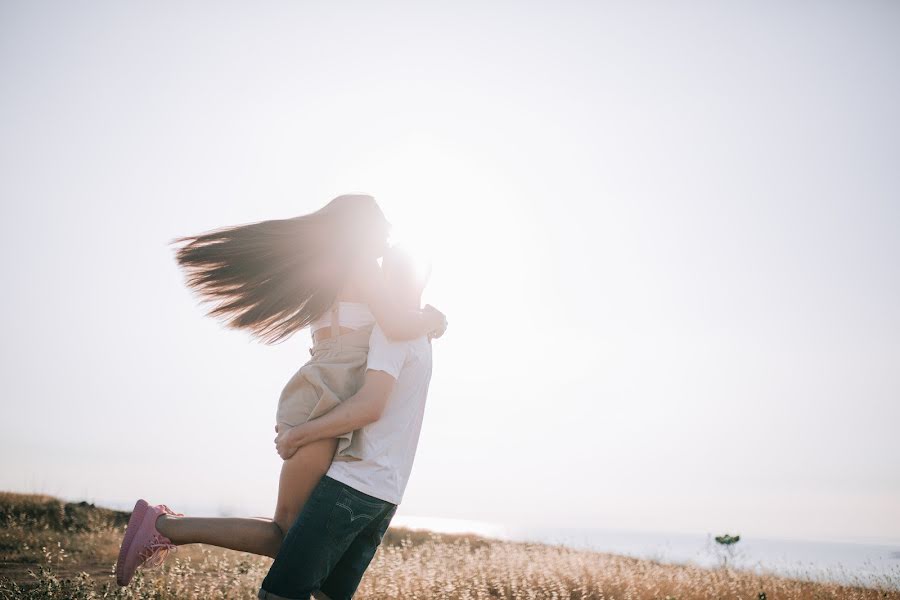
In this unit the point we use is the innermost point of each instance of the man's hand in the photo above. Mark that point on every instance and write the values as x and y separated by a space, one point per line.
440 321
364 407
286 442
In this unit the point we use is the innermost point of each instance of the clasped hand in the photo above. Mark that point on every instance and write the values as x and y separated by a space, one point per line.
440 322
286 442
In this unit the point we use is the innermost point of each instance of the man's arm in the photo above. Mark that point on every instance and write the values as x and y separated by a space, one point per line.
364 407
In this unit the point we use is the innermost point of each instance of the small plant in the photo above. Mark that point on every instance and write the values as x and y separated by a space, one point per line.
727 550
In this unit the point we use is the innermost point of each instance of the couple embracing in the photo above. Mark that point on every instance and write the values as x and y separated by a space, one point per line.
347 422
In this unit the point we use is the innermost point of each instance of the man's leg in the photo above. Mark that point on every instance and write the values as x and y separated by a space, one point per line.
327 525
344 578
306 554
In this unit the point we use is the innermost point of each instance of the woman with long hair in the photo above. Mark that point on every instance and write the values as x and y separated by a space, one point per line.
273 278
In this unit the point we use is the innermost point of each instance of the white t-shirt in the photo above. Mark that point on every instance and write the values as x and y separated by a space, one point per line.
388 446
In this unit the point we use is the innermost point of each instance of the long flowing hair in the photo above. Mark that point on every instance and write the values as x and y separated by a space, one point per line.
275 277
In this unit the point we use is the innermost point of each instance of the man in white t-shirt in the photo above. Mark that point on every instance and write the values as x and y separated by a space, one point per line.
334 538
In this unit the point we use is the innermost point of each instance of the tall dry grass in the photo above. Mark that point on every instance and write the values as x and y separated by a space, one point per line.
52 549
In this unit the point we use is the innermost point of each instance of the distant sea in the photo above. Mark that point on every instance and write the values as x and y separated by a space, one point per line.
867 564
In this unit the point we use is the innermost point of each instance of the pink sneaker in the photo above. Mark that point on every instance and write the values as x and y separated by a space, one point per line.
143 545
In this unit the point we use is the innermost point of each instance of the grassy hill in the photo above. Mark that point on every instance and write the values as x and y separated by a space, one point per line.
55 549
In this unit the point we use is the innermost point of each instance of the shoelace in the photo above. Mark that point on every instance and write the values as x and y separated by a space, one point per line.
159 547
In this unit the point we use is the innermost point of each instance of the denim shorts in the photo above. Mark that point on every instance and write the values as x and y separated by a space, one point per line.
330 545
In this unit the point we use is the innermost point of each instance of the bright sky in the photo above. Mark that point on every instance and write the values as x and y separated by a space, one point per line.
666 236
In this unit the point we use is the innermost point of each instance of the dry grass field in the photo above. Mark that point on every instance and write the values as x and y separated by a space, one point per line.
54 549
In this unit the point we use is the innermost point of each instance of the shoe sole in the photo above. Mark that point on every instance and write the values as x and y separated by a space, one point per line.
134 523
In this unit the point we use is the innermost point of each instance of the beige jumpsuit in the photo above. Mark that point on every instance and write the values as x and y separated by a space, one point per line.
335 372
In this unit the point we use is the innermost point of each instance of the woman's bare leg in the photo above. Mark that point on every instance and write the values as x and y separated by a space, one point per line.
299 475
254 534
